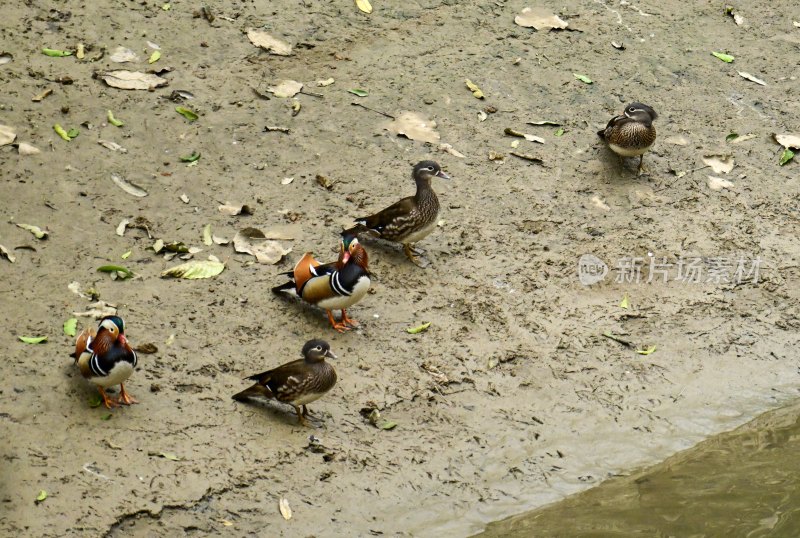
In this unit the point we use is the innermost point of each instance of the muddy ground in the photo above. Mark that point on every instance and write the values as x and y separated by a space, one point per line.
512 398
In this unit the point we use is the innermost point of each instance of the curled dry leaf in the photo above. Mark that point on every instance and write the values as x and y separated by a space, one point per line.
220 240
121 227
599 203
720 164
233 209
286 88
27 149
6 57
528 137
195 269
325 181
326 82
268 43
788 140
415 126
4 253
540 19
132 80
128 187
678 140
207 237
476 91
283 506
254 241
447 148
718 183
184 198
7 134
751 78
113 146
122 55
35 230
98 310
366 7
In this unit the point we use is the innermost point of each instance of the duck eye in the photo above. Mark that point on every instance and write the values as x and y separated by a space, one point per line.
631 109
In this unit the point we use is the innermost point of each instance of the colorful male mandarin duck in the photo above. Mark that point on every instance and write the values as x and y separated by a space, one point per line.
105 358
332 286
411 219
632 133
297 383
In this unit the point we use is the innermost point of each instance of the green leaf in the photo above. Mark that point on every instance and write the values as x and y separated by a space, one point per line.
105 416
195 269
73 133
419 328
114 121
191 158
167 6
207 239
582 78
71 327
56 53
41 497
388 425
126 255
560 132
646 351
95 400
123 272
169 456
732 136
625 303
186 113
727 58
33 339
154 57
787 156
358 92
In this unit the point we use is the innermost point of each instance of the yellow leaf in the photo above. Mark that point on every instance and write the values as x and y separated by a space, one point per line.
646 351
625 303
476 91
286 511
364 6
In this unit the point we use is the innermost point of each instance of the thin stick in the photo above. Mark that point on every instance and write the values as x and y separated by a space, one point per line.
373 110
312 94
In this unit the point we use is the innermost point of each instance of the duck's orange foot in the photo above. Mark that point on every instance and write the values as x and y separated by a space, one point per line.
340 326
125 398
350 322
108 402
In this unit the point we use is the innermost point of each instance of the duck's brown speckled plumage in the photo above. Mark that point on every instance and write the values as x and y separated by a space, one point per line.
410 219
297 383
632 133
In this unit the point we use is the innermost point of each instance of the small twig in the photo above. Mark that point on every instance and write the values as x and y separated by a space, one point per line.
312 94
527 157
373 110
618 339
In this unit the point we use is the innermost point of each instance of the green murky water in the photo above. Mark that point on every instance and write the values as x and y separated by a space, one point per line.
745 483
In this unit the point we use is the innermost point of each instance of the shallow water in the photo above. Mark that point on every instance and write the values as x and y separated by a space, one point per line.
740 483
